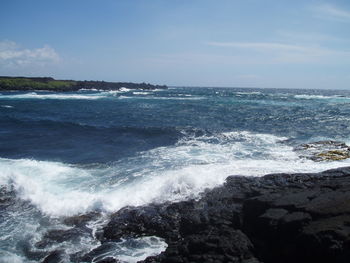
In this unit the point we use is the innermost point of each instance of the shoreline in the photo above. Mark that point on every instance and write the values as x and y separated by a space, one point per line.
284 217
300 217
53 85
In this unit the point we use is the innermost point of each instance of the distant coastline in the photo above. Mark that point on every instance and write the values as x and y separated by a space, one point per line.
51 84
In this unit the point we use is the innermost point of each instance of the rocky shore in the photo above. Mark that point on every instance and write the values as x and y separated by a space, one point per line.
274 218
51 84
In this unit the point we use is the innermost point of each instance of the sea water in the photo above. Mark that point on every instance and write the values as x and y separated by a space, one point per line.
67 154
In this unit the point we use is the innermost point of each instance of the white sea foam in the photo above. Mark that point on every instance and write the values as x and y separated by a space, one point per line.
8 257
125 97
123 89
322 97
6 106
109 93
162 98
141 93
91 90
48 185
249 93
134 250
100 94
169 173
55 96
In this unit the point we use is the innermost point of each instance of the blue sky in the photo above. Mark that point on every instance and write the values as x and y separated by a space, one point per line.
231 43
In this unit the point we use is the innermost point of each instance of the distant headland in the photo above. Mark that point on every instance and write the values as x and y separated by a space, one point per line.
51 84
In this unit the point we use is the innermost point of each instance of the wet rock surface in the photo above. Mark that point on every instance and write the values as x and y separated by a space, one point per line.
275 218
324 151
56 256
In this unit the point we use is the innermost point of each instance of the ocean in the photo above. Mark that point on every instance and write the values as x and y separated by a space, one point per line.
91 151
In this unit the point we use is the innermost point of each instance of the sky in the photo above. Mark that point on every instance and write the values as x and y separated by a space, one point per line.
217 43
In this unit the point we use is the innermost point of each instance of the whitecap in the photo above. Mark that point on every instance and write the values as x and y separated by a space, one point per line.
321 97
249 93
54 96
162 174
162 98
91 90
140 93
123 89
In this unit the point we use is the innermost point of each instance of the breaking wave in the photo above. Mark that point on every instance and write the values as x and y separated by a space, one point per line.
169 173
322 97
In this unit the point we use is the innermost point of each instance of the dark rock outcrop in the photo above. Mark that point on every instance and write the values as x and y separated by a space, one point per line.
324 151
56 256
275 218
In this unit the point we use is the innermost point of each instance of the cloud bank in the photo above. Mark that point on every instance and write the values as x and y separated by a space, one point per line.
12 55
332 12
285 53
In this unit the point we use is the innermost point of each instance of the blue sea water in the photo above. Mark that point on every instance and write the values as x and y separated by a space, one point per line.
66 154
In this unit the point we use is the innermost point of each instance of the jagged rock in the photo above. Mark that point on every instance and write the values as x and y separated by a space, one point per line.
108 260
81 220
56 256
324 151
326 240
97 252
276 218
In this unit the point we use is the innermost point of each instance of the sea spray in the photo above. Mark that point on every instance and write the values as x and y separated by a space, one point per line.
170 173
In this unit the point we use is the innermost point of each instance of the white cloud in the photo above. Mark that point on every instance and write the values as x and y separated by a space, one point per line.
283 53
259 46
12 55
310 37
329 11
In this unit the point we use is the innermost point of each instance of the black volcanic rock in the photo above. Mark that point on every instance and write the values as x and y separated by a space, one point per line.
81 220
56 256
275 218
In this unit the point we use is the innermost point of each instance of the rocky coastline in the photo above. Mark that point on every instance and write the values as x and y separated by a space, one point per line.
274 218
296 217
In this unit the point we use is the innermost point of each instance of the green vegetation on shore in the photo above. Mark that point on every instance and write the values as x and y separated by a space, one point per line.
8 83
50 84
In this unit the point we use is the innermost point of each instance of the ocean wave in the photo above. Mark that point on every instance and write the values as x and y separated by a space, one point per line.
91 90
55 96
249 93
95 95
162 98
123 89
321 97
169 173
141 93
